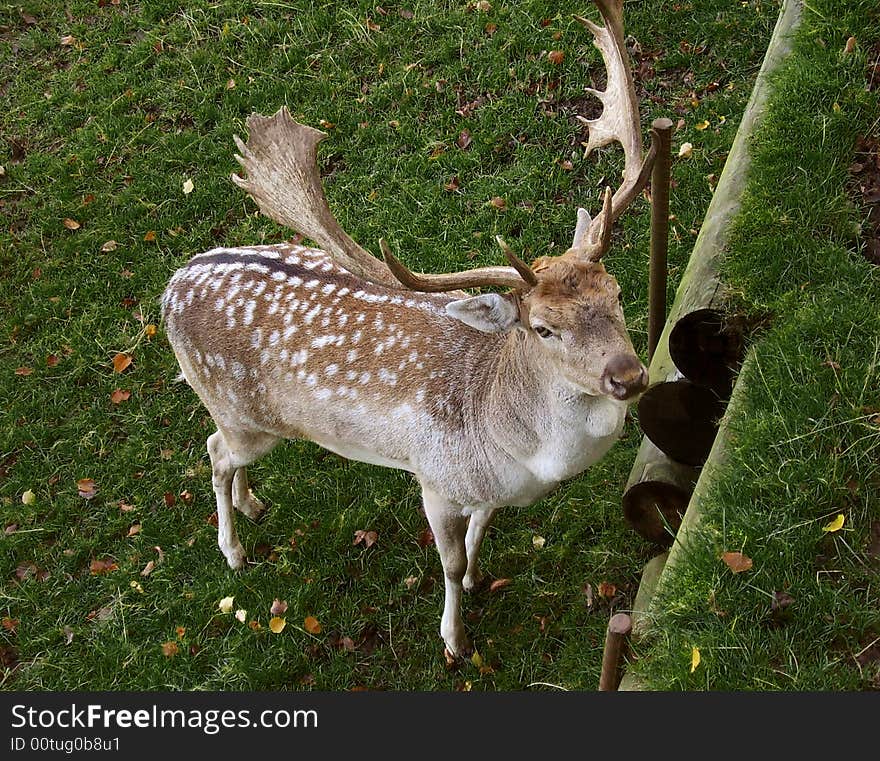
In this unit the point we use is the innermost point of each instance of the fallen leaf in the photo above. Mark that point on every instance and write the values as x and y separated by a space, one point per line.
483 5
230 85
169 498
498 202
255 625
311 625
695 658
556 57
71 224
125 507
110 245
170 649
121 361
186 497
491 28
369 538
279 607
67 40
464 139
702 125
737 562
225 605
452 185
188 186
136 587
685 151
477 659
410 581
10 624
606 589
277 624
148 568
538 542
134 530
426 538
120 395
87 488
781 600
28 498
149 330
498 584
52 360
25 371
98 567
835 525
68 635
241 614
850 46
150 236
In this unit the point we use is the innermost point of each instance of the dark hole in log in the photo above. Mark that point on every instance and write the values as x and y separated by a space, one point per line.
707 351
655 509
681 419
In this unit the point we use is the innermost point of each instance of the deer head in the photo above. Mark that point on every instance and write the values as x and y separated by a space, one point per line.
567 307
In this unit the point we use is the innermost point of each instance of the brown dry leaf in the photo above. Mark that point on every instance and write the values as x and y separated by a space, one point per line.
369 538
186 497
230 85
498 202
87 488
148 568
464 139
24 371
110 245
556 57
850 46
279 607
255 625
121 361
736 561
606 589
10 624
498 584
170 649
125 507
120 395
426 538
311 625
491 28
169 498
134 530
150 236
67 40
452 185
71 224
52 360
410 581
98 567
277 624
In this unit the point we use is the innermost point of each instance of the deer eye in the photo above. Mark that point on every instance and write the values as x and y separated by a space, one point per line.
544 332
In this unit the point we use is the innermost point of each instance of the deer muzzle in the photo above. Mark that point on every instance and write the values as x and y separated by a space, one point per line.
624 377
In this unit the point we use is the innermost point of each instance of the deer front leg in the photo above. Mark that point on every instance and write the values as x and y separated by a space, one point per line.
223 472
449 527
479 522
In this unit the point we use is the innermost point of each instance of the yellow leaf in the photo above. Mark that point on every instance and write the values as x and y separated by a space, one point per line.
477 659
28 498
277 624
311 625
538 542
225 604
188 186
120 362
702 125
835 525
695 658
149 330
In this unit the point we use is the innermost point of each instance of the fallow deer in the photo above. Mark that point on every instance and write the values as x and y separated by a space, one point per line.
489 400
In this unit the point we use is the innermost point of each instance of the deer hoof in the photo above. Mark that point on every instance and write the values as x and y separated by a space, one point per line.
458 646
471 581
252 507
235 557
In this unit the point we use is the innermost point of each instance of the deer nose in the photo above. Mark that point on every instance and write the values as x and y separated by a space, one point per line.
624 376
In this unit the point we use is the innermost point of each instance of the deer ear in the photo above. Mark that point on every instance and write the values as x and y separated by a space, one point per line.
488 312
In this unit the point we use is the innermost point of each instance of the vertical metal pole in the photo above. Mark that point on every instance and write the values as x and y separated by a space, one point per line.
661 132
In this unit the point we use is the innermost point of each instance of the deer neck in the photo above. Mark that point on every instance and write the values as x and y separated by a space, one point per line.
540 420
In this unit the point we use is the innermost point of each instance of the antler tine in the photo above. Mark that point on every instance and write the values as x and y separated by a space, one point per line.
618 121
502 277
280 157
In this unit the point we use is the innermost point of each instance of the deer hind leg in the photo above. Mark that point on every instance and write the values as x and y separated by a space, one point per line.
479 522
230 452
449 527
243 498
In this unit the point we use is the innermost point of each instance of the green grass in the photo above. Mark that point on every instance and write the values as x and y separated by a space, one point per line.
805 443
106 130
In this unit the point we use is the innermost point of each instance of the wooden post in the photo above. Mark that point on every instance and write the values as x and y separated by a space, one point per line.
661 133
618 627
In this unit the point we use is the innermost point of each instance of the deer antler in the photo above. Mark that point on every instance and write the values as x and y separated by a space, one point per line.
280 157
618 121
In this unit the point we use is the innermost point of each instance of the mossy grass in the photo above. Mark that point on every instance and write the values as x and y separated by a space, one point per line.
108 111
805 440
